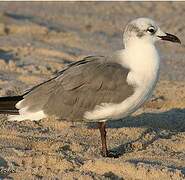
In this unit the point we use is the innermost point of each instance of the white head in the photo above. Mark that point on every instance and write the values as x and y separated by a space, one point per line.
146 30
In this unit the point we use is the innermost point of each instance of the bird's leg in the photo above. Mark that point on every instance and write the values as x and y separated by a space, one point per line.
105 152
102 128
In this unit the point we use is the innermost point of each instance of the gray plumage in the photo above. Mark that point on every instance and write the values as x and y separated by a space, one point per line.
79 88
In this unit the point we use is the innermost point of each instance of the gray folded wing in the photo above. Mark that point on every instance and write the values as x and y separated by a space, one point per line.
79 88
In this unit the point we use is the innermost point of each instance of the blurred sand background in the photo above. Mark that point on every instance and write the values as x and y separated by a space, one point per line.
37 39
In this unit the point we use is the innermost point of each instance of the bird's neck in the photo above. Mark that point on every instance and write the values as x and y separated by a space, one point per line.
143 61
140 47
141 55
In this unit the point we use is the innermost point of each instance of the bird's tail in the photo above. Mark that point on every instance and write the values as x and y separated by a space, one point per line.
7 104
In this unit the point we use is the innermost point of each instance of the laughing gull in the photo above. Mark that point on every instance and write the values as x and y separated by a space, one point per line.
97 88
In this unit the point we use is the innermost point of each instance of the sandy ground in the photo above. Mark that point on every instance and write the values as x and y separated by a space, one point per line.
39 39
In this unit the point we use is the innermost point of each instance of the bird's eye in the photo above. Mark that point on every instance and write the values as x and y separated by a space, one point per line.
151 30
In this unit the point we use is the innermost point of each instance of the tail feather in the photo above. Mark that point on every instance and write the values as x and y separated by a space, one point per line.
7 104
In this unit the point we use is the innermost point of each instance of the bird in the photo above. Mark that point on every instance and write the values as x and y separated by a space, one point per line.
97 88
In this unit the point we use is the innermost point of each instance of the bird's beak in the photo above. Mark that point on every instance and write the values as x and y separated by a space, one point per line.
170 37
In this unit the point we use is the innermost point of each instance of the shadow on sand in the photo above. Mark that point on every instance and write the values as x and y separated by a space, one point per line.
3 168
173 120
6 55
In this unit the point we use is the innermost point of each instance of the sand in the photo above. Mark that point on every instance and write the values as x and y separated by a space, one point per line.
37 40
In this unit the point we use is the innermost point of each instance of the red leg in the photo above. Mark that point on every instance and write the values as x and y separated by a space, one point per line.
102 128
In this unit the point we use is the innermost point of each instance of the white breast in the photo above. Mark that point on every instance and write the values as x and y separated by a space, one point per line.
144 69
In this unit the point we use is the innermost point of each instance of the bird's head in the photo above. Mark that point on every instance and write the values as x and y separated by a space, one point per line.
147 30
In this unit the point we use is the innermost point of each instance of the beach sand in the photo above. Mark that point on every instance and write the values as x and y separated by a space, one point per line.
37 40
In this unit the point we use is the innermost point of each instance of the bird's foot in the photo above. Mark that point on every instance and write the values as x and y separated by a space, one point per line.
110 154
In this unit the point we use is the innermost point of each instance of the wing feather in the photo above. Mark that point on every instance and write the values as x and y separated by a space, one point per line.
79 88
